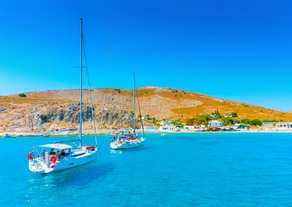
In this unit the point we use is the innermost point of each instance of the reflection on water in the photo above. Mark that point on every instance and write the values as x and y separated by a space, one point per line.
116 152
48 188
79 176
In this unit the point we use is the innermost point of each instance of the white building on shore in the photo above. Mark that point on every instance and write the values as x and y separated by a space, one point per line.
215 124
150 129
284 126
189 128
167 128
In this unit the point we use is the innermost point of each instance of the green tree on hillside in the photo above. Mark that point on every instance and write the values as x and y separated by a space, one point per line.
190 121
216 115
202 119
227 121
155 121
256 122
177 123
118 90
22 95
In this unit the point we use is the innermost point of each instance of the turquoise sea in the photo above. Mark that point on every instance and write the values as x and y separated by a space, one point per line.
179 169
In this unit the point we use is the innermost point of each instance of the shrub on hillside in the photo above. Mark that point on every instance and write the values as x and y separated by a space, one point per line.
118 90
190 121
256 122
227 121
22 95
43 117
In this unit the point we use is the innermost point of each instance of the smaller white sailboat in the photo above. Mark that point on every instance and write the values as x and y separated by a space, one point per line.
67 154
127 139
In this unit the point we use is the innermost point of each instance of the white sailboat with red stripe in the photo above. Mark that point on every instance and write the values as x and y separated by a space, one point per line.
67 154
127 139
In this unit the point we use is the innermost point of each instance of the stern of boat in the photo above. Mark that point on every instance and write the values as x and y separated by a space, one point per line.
37 166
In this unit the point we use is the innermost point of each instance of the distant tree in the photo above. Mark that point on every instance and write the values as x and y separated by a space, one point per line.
190 121
154 120
241 126
234 114
256 122
227 121
216 115
118 90
202 119
22 95
177 123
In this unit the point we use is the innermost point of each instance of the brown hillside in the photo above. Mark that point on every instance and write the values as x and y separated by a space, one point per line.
113 107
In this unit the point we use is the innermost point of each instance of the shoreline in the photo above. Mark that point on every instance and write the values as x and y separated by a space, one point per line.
111 132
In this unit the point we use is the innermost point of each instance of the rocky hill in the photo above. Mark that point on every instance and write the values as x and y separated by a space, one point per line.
58 109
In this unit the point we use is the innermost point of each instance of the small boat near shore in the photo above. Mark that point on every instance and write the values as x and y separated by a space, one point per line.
6 135
45 135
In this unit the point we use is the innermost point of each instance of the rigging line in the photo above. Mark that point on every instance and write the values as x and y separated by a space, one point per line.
135 88
90 95
134 103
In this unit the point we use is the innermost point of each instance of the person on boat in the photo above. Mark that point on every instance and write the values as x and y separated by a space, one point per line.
43 154
52 152
62 154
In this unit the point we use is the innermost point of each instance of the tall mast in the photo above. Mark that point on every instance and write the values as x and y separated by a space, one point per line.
80 121
134 104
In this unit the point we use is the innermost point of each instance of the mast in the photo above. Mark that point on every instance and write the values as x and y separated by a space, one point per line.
134 104
80 121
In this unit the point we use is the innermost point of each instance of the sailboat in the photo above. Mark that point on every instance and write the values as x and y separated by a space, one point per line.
67 154
127 139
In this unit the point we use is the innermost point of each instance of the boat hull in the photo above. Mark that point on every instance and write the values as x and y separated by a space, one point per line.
118 145
38 165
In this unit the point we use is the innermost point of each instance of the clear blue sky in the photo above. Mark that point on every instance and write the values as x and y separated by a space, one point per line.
236 50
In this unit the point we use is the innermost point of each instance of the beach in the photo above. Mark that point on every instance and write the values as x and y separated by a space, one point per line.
110 132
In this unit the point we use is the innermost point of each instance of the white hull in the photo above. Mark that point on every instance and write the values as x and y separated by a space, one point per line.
38 165
119 144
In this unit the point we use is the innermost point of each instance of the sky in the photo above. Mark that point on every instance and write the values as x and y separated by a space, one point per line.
234 50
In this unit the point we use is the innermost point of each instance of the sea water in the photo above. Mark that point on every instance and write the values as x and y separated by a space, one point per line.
179 169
